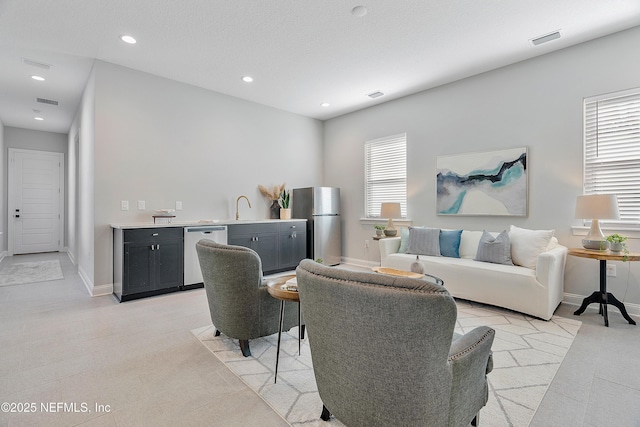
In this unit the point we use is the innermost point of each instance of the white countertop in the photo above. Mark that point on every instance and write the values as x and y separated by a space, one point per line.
199 223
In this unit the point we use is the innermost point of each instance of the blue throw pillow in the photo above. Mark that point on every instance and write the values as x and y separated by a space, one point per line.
450 243
404 240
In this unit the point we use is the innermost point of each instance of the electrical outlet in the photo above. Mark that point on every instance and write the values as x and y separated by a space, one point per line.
124 205
178 206
141 205
611 270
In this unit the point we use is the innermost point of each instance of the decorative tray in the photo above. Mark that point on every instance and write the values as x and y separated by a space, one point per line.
394 272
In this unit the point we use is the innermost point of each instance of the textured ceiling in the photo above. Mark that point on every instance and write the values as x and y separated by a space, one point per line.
300 53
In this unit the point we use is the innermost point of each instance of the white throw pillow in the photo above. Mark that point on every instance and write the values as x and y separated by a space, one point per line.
526 245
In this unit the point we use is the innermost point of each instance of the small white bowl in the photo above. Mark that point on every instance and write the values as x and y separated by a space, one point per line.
164 211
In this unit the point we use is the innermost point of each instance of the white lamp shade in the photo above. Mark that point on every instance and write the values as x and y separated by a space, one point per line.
597 206
390 210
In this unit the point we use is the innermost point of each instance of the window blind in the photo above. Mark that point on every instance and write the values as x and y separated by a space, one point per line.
385 168
612 150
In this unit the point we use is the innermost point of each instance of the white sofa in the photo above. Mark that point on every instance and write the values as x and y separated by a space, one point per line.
535 291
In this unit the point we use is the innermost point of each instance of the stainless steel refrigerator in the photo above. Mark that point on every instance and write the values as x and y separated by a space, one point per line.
320 206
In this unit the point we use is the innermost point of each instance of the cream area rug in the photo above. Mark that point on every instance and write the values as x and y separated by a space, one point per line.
30 272
527 353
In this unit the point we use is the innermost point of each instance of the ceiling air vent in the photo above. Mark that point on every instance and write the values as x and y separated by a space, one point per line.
546 38
376 94
36 63
46 101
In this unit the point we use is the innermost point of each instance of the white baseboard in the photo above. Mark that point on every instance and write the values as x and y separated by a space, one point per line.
3 254
102 290
71 257
94 291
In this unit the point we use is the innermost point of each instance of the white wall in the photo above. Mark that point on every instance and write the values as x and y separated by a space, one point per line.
28 140
3 199
162 141
536 103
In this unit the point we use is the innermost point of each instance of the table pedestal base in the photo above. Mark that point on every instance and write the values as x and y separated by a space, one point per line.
604 298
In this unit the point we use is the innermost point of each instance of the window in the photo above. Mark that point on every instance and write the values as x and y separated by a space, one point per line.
612 150
385 169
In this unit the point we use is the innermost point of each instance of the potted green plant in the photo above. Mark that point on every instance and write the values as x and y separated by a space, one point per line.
284 200
618 243
379 229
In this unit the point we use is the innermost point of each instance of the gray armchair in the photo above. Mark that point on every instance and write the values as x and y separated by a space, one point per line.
239 303
384 351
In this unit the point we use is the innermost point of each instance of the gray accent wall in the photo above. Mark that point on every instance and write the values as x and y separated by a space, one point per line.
144 137
535 103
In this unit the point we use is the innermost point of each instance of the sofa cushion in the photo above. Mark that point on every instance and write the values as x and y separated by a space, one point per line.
424 241
496 250
526 245
450 243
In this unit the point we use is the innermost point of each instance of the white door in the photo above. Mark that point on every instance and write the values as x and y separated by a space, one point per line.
36 197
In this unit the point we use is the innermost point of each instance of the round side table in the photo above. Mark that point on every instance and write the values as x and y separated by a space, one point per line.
601 296
283 289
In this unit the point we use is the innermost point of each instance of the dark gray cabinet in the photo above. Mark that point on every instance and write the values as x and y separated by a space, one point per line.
147 261
280 245
292 244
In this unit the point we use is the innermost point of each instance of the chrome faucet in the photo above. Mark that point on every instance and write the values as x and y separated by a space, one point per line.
237 200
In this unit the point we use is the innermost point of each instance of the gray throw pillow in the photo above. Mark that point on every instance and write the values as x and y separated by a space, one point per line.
496 250
424 241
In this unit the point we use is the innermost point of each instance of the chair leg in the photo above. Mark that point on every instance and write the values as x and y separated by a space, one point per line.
216 333
476 420
244 346
325 415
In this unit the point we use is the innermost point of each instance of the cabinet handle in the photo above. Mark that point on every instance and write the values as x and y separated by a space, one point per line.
293 235
152 247
154 234
157 247
293 226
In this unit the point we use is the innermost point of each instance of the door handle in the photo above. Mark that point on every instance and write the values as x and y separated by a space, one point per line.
17 216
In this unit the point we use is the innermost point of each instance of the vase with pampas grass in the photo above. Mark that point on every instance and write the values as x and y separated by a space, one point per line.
274 196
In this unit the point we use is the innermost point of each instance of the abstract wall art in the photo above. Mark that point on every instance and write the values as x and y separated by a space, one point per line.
487 183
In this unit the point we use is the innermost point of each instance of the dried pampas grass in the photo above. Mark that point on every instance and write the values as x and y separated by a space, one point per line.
272 194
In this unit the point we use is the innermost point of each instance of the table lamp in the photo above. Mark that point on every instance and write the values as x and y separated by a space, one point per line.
390 210
596 207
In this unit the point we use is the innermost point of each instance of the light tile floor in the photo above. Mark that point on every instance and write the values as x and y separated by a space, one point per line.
139 362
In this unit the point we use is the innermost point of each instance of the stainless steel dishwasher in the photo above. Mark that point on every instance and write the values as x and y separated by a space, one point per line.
192 235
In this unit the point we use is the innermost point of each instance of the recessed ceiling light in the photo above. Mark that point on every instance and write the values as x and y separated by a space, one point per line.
128 39
38 78
359 11
247 79
376 94
38 118
325 104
